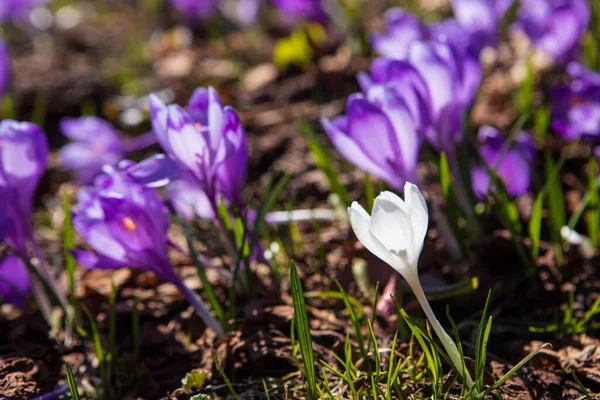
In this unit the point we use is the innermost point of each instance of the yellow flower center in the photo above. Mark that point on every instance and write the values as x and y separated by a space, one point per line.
129 224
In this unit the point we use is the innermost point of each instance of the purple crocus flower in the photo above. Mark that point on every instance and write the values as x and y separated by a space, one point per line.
576 107
17 9
513 164
293 10
126 224
208 143
23 160
479 19
554 26
379 134
196 9
14 281
402 29
5 68
95 143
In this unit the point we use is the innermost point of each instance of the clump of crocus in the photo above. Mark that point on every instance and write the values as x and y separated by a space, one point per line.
576 106
395 232
5 68
554 26
511 163
18 9
126 224
208 143
379 134
95 143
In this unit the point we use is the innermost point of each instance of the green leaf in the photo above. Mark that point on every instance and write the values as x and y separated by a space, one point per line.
354 319
324 161
71 382
593 213
194 379
68 245
535 225
232 391
556 204
303 331
512 371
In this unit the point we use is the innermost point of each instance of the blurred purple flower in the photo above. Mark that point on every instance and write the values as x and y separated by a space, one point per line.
438 84
14 281
5 68
402 29
196 9
208 143
513 164
18 9
5 220
126 225
95 143
554 26
379 134
576 107
479 19
23 160
293 10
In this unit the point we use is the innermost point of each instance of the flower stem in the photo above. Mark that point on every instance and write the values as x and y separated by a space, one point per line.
446 340
201 308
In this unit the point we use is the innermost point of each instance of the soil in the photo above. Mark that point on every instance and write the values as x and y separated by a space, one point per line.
76 67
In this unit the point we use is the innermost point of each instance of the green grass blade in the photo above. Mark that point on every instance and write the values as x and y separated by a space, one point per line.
535 226
206 286
71 382
355 321
593 213
68 245
232 391
323 161
303 331
512 371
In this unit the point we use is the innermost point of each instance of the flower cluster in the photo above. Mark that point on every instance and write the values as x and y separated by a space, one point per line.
418 90
209 145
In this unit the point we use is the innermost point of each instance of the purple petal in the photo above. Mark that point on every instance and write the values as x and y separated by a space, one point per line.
155 171
14 281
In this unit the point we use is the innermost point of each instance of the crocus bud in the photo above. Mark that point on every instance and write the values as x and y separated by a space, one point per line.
379 134
395 232
23 160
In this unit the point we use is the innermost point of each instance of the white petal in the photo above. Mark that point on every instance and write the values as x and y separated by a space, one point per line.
360 221
393 197
391 225
419 217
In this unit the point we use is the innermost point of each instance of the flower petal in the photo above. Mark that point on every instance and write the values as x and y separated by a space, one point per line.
419 216
360 221
391 225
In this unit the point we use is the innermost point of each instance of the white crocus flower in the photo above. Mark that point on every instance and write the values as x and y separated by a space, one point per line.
395 233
